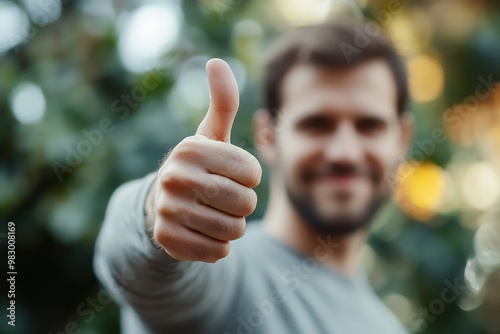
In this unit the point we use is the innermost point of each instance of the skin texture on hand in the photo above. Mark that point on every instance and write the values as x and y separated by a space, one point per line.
203 190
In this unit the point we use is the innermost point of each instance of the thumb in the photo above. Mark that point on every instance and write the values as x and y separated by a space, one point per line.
224 102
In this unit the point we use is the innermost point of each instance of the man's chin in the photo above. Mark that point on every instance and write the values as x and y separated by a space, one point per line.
335 223
331 223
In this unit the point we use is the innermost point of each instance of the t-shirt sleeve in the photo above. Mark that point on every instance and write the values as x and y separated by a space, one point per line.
165 294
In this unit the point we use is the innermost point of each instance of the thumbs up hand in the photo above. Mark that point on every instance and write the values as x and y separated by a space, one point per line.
203 191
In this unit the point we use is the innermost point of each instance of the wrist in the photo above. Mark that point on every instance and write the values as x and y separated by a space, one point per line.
150 215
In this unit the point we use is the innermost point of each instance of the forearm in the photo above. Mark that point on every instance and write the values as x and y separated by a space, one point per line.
133 270
149 213
123 250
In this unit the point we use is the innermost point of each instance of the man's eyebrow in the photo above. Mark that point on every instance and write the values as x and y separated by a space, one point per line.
370 116
317 114
354 113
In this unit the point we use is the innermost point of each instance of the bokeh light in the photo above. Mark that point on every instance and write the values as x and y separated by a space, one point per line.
480 270
147 34
475 276
196 98
487 243
14 26
28 103
419 189
459 18
247 41
97 8
405 36
456 127
480 186
426 78
450 200
65 64
299 12
66 223
43 12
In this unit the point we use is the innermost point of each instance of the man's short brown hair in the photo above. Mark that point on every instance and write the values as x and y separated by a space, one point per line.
342 43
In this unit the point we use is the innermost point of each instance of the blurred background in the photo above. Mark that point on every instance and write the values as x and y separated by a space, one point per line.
93 93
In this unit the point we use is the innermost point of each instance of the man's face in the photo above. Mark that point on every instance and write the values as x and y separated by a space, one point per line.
337 135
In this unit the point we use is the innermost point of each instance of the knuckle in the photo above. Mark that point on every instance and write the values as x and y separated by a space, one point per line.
190 148
175 179
248 164
233 167
182 152
211 252
220 228
163 210
256 173
249 202
200 252
164 206
238 227
163 237
169 178
230 229
176 256
237 158
219 251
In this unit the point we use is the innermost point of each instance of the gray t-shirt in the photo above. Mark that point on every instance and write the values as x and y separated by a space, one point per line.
262 286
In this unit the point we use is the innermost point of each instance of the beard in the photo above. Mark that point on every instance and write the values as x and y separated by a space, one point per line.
335 225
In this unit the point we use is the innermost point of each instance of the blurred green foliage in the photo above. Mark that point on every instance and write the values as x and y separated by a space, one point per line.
58 206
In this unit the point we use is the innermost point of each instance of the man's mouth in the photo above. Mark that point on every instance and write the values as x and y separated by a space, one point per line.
342 181
340 178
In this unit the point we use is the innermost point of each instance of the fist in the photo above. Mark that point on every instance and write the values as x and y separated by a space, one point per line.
203 191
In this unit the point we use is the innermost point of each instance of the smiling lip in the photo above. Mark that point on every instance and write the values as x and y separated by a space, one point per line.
341 181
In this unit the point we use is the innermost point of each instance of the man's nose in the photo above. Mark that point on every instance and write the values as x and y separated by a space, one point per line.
344 145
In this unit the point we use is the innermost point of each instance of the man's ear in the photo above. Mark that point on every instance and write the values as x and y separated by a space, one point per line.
264 136
407 125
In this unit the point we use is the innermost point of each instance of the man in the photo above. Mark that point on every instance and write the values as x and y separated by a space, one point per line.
333 126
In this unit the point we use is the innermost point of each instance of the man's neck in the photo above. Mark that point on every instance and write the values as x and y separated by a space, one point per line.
341 253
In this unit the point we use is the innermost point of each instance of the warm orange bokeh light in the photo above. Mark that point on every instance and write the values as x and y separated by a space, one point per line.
426 78
419 189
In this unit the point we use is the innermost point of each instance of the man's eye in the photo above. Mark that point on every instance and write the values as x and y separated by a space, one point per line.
370 125
315 124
